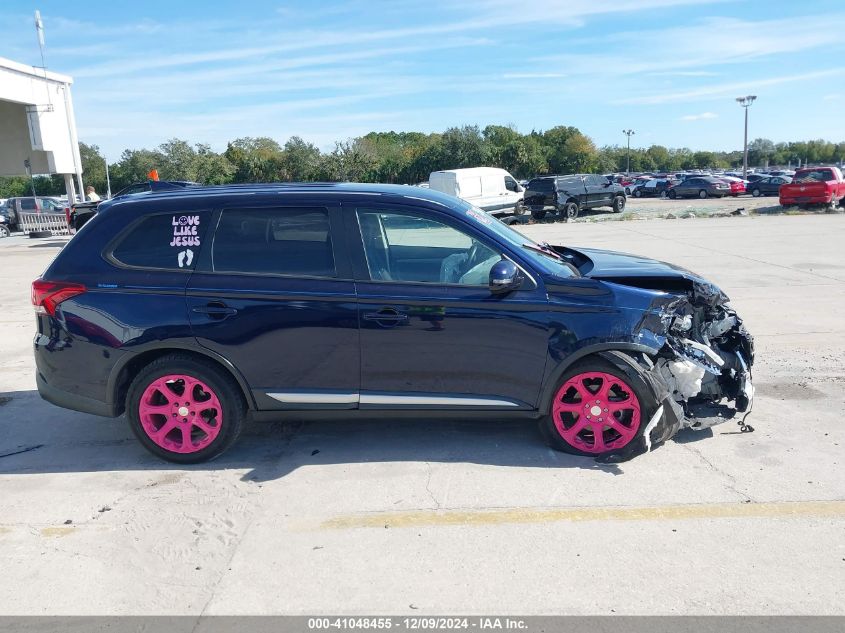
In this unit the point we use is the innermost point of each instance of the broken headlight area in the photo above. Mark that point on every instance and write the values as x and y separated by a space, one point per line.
706 364
701 376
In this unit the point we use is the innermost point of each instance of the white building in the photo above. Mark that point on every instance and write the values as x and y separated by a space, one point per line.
37 124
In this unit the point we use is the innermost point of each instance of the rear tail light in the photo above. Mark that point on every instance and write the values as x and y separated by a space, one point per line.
47 295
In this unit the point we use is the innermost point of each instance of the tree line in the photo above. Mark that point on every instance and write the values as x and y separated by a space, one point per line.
409 157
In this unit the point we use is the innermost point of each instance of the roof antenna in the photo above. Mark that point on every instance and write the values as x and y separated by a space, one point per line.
39 29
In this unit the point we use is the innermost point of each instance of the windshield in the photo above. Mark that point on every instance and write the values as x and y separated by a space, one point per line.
540 255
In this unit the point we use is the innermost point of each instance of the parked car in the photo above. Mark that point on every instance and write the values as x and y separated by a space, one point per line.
491 189
568 195
637 182
700 186
190 310
5 225
81 212
40 204
737 184
814 185
654 187
768 185
752 178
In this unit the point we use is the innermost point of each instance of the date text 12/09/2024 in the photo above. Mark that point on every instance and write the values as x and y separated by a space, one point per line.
418 623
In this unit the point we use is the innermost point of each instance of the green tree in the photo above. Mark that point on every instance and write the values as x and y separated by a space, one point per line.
93 167
301 160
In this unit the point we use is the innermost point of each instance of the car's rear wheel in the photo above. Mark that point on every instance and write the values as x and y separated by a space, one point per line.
672 194
638 193
538 215
619 204
185 410
755 192
597 409
570 211
702 194
4 231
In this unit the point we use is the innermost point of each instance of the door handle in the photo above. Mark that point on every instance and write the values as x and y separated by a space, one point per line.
215 309
386 315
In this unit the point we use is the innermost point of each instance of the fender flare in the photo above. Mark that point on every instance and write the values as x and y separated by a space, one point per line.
117 369
601 349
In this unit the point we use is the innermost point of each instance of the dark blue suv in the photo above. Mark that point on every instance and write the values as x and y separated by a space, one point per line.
195 308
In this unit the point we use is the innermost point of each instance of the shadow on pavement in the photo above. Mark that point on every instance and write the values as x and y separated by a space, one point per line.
37 437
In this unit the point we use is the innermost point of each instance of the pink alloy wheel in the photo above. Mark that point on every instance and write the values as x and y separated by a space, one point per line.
180 413
596 412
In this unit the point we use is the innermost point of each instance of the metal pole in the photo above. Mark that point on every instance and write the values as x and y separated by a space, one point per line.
628 133
108 181
745 148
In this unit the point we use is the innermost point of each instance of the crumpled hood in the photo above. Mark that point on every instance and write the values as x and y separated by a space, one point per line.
641 272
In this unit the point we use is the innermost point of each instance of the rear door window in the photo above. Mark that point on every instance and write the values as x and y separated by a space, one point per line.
277 241
164 241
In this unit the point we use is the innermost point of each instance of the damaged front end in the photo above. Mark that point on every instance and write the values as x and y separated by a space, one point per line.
702 375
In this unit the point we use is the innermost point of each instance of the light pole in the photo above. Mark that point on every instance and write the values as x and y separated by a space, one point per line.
628 133
108 180
745 102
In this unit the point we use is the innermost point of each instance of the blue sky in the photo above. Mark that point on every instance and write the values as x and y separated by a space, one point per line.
328 70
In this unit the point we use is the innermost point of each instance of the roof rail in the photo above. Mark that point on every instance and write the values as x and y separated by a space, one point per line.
172 185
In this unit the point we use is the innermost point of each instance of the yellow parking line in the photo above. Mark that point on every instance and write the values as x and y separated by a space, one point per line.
419 518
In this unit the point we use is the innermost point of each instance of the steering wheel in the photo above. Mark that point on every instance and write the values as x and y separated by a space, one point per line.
474 256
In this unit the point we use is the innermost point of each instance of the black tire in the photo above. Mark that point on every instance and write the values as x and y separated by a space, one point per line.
4 231
519 208
538 215
619 204
638 193
40 234
702 193
672 194
570 211
756 192
221 384
647 401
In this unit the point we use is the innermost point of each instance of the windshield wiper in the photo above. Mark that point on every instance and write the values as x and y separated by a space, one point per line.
542 248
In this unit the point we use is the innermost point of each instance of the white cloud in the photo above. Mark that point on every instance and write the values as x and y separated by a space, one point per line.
699 117
533 75
720 91
712 42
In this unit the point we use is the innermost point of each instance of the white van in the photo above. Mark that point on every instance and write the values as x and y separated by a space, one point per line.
491 189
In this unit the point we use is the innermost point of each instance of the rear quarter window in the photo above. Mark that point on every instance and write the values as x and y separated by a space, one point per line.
169 241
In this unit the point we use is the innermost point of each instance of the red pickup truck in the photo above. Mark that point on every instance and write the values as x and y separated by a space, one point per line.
814 185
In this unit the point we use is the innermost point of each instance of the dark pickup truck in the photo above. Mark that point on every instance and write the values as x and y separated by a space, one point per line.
568 195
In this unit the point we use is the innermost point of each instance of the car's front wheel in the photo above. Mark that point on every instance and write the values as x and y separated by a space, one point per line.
702 194
755 192
672 194
184 409
4 231
570 211
597 409
638 193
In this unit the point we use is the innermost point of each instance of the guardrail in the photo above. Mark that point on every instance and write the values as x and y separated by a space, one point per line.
56 223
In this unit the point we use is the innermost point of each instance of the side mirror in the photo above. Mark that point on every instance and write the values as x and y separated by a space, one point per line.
504 277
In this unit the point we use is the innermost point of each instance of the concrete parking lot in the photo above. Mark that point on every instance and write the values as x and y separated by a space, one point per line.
456 517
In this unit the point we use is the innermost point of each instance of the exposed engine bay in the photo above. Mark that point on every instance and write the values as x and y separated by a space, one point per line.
702 373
